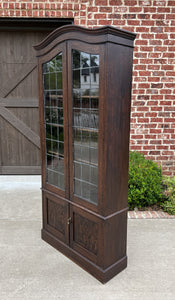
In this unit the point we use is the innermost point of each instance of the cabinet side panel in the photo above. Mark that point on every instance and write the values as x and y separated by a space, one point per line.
115 239
118 98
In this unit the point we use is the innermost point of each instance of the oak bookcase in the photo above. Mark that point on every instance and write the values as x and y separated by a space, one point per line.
85 78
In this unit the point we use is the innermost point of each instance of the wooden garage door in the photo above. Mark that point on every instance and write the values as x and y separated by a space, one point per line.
19 122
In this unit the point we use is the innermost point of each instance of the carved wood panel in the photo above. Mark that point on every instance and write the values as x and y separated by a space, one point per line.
85 233
56 216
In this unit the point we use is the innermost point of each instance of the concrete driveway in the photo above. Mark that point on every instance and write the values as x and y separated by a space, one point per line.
31 269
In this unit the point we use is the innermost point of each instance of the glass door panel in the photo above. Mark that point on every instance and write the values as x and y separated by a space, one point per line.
54 116
85 74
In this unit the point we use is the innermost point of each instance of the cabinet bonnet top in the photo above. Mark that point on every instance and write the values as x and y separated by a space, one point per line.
93 36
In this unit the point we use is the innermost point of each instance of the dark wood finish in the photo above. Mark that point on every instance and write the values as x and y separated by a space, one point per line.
85 230
55 216
95 235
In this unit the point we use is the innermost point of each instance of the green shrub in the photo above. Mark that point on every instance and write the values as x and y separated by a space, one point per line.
144 184
169 194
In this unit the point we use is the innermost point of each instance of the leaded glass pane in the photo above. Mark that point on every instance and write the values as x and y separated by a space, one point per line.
54 116
85 73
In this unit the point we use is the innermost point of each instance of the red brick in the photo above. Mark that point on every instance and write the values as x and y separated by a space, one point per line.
133 22
165 103
114 16
100 16
147 23
142 29
143 120
170 16
169 29
130 2
149 147
120 9
157 85
94 9
104 9
167 120
135 9
155 79
115 2
165 91
143 85
138 148
149 9
155 142
157 29
101 2
129 16
140 67
142 108
163 9
158 16
159 3
171 55
119 22
136 136
134 115
104 22
157 108
167 67
162 147
150 114
154 67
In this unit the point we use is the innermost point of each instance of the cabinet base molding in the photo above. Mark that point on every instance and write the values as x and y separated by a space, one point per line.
103 275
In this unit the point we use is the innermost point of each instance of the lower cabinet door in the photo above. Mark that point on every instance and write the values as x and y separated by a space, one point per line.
55 216
85 233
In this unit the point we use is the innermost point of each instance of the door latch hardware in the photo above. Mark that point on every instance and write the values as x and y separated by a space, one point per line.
69 221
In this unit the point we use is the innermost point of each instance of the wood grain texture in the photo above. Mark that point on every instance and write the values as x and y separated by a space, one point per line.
19 130
96 234
20 126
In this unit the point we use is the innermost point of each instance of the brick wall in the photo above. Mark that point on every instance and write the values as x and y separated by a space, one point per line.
153 93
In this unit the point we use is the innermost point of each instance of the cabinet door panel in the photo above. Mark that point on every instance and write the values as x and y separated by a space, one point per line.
85 231
56 213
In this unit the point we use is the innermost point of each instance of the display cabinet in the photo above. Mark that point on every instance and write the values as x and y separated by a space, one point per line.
84 102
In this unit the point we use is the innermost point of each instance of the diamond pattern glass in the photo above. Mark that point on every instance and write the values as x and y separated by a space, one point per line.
85 73
54 131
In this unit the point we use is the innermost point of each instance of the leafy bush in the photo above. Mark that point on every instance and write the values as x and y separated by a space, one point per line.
169 194
144 184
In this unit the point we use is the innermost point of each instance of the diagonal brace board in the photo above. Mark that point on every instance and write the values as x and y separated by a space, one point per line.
20 126
11 84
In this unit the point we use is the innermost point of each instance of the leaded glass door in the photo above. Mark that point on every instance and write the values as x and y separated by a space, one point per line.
55 109
84 131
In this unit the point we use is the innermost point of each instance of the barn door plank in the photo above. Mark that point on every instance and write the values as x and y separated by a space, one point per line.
19 76
20 126
17 102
